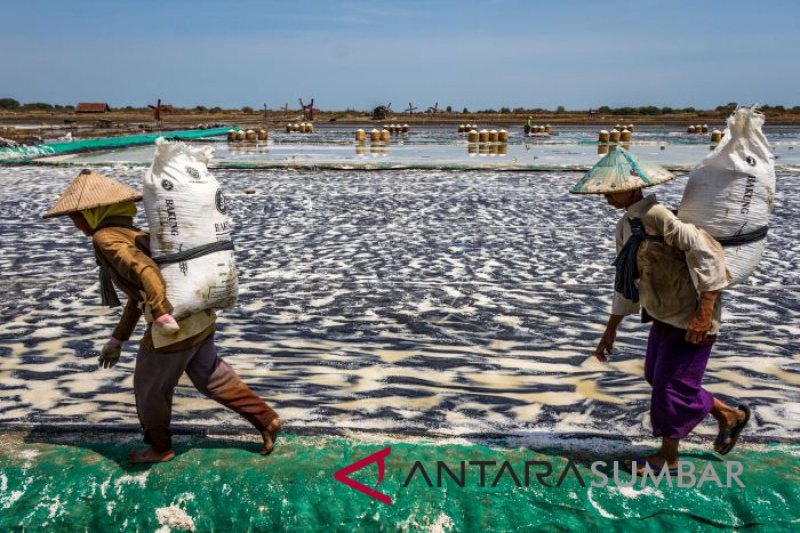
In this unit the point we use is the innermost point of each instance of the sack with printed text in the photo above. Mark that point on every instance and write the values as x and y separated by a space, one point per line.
190 230
731 192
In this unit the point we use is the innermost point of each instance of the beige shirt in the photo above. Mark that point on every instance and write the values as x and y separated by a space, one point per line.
673 273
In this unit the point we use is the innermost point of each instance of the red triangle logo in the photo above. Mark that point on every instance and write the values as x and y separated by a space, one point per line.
377 457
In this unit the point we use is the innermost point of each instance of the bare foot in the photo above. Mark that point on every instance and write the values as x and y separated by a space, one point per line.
727 422
656 462
149 455
269 435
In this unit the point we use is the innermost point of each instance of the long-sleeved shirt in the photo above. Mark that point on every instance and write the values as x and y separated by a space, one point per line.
674 272
125 251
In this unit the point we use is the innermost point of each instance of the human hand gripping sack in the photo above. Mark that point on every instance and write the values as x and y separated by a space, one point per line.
167 324
109 355
700 323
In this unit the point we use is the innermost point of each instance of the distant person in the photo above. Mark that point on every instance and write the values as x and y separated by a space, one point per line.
528 125
103 209
673 272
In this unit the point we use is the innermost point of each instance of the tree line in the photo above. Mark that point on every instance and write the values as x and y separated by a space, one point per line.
11 104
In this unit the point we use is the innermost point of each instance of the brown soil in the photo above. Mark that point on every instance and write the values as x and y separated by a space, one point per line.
51 124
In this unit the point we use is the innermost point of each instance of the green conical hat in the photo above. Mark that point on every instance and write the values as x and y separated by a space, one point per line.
620 171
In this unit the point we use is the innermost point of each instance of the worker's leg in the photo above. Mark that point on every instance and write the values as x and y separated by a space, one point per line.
154 381
216 379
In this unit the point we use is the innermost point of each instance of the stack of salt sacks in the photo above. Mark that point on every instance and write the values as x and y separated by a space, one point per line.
731 192
186 210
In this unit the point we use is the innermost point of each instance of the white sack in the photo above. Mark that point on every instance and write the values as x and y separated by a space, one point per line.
732 191
186 209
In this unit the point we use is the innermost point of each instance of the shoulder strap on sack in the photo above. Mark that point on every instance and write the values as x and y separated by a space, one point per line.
194 253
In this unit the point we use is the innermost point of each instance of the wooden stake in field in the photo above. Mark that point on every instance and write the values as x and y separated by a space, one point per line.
159 110
308 110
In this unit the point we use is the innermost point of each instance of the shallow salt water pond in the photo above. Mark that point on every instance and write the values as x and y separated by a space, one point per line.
571 147
432 301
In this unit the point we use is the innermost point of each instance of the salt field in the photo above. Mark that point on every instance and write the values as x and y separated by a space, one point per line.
386 242
444 297
570 148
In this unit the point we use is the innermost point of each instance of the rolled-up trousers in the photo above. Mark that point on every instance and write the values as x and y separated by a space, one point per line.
157 375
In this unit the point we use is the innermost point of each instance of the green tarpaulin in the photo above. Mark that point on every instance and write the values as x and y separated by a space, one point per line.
22 154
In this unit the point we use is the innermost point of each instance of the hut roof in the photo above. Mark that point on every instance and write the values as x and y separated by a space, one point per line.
92 107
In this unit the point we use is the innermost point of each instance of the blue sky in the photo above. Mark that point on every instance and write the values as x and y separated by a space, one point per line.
358 54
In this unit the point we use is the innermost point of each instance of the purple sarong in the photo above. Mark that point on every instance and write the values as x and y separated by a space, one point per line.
674 368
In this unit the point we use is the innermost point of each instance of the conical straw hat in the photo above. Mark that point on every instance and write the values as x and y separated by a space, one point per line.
620 171
91 189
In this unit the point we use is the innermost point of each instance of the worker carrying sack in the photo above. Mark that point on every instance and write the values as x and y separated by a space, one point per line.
190 231
731 192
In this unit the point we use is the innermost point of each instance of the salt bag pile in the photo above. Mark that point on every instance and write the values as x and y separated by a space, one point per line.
190 230
731 192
